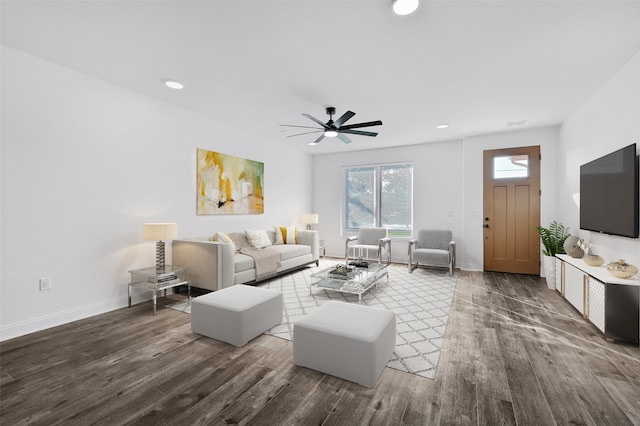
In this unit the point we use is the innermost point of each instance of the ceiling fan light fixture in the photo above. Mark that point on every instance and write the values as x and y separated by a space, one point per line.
404 7
330 133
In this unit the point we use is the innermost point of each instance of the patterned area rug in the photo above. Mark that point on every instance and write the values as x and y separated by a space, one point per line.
420 300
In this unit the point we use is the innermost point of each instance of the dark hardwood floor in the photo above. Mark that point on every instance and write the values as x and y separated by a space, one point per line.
514 353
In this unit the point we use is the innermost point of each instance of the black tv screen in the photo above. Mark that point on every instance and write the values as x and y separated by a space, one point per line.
609 193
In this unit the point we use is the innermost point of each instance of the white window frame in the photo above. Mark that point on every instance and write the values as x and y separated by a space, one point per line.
377 195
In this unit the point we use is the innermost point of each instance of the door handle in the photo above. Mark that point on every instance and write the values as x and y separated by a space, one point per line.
486 225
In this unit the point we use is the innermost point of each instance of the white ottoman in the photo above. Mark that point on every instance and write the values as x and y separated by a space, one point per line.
236 314
353 342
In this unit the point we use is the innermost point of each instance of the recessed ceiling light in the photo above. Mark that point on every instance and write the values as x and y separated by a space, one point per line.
442 126
312 143
172 84
404 7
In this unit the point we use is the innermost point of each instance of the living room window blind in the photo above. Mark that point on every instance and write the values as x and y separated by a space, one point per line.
379 196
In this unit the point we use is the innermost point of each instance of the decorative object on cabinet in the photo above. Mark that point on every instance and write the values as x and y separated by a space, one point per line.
552 239
228 184
622 269
572 247
309 219
593 259
589 257
160 232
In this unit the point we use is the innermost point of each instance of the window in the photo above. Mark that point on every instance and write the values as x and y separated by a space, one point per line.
512 166
379 196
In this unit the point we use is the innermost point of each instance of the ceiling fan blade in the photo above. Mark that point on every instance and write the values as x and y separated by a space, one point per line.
305 133
304 127
343 138
359 132
346 116
324 126
358 125
317 141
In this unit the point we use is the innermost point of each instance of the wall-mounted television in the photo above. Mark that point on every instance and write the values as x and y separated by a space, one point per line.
609 193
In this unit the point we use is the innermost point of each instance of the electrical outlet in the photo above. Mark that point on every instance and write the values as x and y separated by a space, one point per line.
45 283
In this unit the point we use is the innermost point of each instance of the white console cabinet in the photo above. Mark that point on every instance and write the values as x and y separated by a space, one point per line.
611 304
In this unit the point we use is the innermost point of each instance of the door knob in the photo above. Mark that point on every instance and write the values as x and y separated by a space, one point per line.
486 225
486 218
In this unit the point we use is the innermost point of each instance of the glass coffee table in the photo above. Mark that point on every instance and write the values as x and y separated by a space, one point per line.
353 281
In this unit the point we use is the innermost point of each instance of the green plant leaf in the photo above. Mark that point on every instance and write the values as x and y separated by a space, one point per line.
553 238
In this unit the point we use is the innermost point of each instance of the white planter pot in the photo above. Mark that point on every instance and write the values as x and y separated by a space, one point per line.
550 271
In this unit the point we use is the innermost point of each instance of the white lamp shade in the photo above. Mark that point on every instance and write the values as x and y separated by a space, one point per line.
309 218
160 231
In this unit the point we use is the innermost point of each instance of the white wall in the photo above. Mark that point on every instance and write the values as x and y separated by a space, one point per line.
547 139
437 191
84 164
608 121
447 188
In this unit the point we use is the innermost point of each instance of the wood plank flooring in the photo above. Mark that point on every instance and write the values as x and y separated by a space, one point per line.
514 353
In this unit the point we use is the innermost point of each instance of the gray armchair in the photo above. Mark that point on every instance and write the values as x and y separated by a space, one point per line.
369 239
432 248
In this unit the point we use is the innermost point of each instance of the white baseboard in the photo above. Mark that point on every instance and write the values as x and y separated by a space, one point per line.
44 322
33 325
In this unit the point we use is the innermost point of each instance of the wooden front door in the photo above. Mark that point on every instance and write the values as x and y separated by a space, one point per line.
512 210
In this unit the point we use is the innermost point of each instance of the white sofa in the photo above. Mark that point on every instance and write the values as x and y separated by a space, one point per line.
213 265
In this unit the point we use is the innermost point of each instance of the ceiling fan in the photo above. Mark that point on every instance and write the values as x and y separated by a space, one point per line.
336 128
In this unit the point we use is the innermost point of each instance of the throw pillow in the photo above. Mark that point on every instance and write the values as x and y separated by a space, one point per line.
221 237
258 238
289 234
279 240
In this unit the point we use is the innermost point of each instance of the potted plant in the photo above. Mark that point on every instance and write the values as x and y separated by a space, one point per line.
553 239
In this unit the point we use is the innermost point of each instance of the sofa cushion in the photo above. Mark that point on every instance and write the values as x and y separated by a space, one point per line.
258 238
289 234
221 237
289 251
277 236
242 262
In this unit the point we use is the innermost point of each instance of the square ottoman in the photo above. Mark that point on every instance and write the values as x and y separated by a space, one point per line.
353 342
236 314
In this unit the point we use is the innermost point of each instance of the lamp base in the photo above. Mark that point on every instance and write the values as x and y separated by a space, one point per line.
160 256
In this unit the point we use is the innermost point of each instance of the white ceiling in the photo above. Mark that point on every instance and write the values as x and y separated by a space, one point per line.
476 65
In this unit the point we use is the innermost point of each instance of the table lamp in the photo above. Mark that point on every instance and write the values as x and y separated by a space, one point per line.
160 232
309 219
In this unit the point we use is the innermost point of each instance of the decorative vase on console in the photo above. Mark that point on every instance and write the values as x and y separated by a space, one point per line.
590 258
622 269
572 247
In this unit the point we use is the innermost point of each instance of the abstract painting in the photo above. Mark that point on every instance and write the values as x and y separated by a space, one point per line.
228 184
